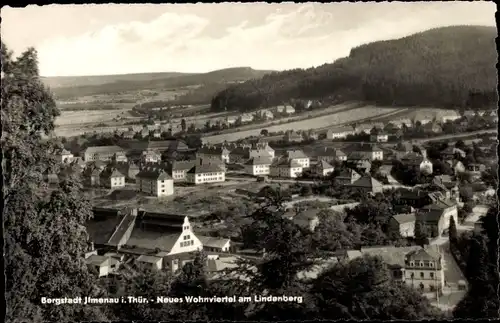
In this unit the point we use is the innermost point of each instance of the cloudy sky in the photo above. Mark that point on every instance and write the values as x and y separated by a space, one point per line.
119 39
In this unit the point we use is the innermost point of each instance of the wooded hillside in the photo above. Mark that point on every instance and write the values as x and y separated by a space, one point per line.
441 67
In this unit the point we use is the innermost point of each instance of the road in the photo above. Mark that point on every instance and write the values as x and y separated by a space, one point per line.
453 136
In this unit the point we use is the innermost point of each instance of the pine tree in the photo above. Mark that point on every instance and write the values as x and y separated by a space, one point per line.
420 232
453 231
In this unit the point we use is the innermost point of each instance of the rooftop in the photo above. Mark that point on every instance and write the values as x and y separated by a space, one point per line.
259 161
153 173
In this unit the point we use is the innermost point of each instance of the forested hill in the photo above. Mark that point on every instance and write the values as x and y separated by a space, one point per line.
440 67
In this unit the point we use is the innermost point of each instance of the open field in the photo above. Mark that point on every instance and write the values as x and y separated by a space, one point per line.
87 117
332 120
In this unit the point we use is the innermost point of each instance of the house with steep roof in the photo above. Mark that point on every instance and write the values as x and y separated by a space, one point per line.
258 166
150 156
378 135
104 265
150 262
102 153
420 268
307 219
347 176
340 133
322 168
298 156
112 178
403 223
329 154
457 166
155 181
432 127
206 172
120 157
285 167
363 151
65 156
437 215
414 159
213 153
239 154
292 136
178 169
367 184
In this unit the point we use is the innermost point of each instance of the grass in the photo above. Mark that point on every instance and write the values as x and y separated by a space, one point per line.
313 123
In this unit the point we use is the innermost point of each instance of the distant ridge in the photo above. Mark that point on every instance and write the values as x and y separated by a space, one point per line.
72 86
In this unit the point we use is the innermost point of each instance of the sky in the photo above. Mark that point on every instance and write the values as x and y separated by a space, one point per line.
74 40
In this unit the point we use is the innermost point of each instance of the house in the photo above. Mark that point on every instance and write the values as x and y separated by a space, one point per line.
423 121
155 181
230 120
403 123
246 117
451 116
404 224
258 166
151 262
102 153
178 169
128 134
450 153
95 177
414 159
213 153
144 132
239 154
156 133
262 149
415 266
437 216
475 168
265 114
120 157
322 168
307 219
363 151
170 238
150 156
104 265
287 168
329 154
347 176
298 156
402 148
292 136
432 127
391 128
340 133
65 156
206 172
379 137
112 178
79 162
286 109
367 184
361 165
129 169
457 166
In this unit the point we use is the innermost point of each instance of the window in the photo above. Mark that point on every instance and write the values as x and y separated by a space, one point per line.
432 275
186 237
192 242
421 264
412 275
163 191
412 264
421 275
431 264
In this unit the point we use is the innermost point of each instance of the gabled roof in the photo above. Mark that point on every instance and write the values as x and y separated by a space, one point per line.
323 165
183 165
208 167
213 242
209 150
111 173
367 181
404 218
153 173
261 160
346 173
148 259
103 149
295 154
423 254
328 151
286 162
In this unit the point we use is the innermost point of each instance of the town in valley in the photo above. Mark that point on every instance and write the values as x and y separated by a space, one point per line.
364 188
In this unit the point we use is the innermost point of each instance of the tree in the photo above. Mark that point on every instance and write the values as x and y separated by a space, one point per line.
421 234
453 231
45 238
183 125
364 290
264 132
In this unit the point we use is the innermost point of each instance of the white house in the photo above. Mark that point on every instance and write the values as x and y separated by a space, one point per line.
155 181
298 155
258 166
178 169
112 178
120 157
151 156
379 137
262 150
287 168
66 156
288 109
340 133
414 159
206 172
152 262
104 265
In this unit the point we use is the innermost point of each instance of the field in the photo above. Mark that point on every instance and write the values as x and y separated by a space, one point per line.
331 120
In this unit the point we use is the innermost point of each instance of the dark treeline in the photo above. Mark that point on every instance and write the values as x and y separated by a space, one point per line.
444 67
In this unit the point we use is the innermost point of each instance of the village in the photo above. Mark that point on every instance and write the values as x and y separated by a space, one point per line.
155 200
